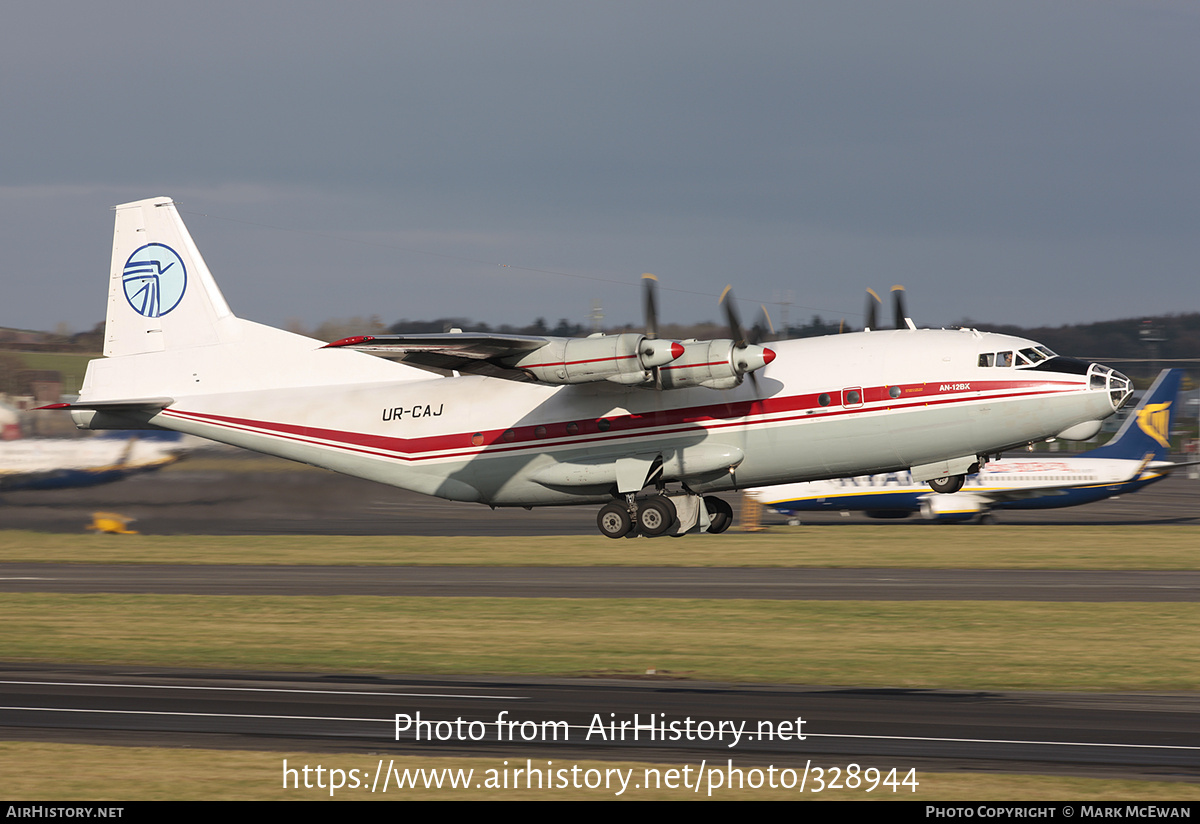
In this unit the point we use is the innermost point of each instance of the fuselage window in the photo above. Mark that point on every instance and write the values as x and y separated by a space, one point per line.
1004 359
987 359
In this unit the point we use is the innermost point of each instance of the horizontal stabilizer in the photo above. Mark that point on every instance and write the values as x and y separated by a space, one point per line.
117 405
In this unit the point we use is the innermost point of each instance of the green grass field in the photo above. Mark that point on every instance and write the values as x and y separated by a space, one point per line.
844 545
69 772
990 645
1128 647
70 366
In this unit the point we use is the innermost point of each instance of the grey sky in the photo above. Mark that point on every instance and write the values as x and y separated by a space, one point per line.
1030 163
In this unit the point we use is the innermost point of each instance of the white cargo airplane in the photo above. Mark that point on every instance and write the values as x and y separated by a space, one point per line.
1132 460
589 420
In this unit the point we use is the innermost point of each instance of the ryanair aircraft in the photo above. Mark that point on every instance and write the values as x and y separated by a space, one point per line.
44 463
1132 460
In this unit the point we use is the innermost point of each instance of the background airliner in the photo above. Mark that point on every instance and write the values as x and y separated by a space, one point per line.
1132 460
44 463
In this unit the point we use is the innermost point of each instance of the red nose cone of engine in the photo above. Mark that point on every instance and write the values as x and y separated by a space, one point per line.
676 350
768 355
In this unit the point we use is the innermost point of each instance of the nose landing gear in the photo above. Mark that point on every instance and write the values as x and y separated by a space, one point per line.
948 484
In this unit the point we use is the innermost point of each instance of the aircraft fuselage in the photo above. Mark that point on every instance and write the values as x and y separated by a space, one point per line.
869 402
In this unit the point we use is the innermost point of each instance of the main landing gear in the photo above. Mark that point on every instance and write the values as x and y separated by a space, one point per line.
657 515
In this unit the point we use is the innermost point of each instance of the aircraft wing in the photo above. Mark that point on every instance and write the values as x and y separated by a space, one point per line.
1145 465
474 352
628 358
997 496
1168 468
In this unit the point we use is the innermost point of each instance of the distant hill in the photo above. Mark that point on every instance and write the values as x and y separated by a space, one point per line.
1162 338
1166 337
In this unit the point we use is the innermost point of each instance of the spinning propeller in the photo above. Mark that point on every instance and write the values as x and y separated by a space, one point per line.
746 356
900 320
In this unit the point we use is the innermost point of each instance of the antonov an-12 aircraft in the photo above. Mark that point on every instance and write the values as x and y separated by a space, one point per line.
645 427
1135 458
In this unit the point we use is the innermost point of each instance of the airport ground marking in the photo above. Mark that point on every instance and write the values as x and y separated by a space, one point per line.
859 737
269 689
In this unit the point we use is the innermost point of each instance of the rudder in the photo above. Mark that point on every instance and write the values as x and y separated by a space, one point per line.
161 294
1147 430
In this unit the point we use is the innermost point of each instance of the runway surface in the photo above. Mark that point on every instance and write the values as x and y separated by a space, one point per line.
609 582
317 502
1137 735
1148 736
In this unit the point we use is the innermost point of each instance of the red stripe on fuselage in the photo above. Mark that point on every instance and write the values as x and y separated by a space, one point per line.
621 427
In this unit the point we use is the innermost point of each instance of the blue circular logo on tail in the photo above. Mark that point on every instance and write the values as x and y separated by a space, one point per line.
155 280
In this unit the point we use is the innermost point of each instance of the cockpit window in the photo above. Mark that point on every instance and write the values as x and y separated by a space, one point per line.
1004 358
1046 351
1033 355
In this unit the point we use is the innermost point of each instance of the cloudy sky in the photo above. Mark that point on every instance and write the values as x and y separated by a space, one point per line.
1016 162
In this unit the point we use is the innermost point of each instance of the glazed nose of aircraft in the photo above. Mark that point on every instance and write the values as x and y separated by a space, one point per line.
1119 387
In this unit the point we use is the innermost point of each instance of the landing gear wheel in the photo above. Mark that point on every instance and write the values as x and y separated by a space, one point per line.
947 485
655 516
614 521
720 515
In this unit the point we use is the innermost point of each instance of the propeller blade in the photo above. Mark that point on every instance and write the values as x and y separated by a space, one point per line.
748 357
762 327
731 317
872 313
650 304
898 314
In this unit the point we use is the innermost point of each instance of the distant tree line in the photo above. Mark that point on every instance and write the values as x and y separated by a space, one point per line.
564 329
1165 337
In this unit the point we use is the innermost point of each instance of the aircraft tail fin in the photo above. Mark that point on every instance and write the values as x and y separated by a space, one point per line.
169 332
1147 429
161 294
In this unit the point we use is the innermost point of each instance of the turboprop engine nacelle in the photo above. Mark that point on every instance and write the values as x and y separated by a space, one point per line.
627 358
716 364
